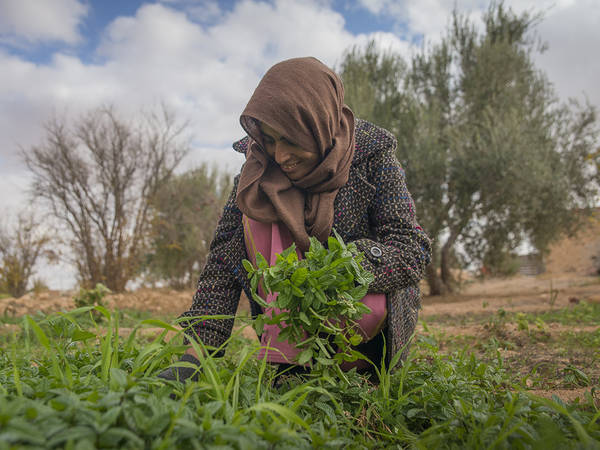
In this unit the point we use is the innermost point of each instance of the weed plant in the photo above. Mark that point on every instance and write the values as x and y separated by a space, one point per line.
64 385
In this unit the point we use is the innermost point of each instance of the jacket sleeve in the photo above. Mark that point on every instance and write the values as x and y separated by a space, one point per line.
399 250
219 286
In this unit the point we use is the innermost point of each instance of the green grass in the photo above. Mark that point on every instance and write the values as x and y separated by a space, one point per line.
583 313
63 386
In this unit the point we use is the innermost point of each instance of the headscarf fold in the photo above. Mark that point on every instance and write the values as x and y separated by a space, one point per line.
303 100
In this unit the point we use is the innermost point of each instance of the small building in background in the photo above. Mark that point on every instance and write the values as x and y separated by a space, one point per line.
531 264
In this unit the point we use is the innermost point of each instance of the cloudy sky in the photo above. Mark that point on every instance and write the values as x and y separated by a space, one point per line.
203 58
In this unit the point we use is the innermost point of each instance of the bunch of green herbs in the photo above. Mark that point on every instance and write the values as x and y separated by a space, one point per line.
319 300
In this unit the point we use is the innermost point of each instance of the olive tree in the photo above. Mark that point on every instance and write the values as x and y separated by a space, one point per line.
185 214
97 174
492 159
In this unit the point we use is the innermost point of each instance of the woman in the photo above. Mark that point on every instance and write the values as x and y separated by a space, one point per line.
312 167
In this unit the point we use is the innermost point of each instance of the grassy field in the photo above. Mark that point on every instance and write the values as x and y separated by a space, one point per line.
73 381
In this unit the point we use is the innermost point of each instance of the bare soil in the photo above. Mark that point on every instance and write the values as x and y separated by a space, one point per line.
159 301
519 293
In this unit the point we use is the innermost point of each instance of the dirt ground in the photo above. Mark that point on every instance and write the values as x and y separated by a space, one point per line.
160 301
519 294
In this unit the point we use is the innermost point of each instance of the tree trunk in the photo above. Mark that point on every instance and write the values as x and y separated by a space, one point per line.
446 275
436 287
446 255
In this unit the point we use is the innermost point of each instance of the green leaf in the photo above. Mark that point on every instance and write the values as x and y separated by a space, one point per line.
39 333
307 300
355 340
304 318
305 356
159 324
283 301
261 261
299 276
297 291
248 266
325 361
282 411
292 257
259 324
118 378
333 244
81 335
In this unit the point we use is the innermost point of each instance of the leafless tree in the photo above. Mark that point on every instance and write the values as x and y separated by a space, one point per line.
97 175
20 248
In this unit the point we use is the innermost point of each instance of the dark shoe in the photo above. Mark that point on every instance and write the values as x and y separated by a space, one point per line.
286 372
182 373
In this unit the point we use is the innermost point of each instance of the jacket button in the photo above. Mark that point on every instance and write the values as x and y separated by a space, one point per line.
376 252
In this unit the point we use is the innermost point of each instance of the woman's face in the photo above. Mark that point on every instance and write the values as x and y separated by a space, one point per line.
293 160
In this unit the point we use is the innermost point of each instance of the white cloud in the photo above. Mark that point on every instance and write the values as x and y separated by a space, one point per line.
41 20
206 73
570 27
572 31
422 18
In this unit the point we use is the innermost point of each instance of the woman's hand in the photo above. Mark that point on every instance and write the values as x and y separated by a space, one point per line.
191 351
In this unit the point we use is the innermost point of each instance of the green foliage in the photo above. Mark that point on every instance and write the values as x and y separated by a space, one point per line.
503 264
583 313
66 387
186 211
39 286
319 300
371 81
491 158
91 297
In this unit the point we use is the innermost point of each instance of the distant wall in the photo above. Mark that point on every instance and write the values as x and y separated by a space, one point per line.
577 254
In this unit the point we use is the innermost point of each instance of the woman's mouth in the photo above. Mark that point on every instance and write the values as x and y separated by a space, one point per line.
289 167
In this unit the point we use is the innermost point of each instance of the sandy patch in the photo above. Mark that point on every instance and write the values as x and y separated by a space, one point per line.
567 395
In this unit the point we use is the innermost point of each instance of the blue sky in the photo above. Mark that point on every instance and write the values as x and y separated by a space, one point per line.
203 59
100 14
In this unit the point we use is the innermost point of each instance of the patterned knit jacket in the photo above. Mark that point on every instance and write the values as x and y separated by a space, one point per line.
374 210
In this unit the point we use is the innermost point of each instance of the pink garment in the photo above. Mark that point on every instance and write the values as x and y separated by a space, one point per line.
271 239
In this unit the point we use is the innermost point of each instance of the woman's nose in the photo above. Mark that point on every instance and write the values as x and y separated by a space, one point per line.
281 155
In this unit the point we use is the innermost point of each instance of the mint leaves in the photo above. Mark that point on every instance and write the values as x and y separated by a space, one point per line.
319 295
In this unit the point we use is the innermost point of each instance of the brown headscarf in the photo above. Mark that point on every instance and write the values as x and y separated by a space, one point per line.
303 100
